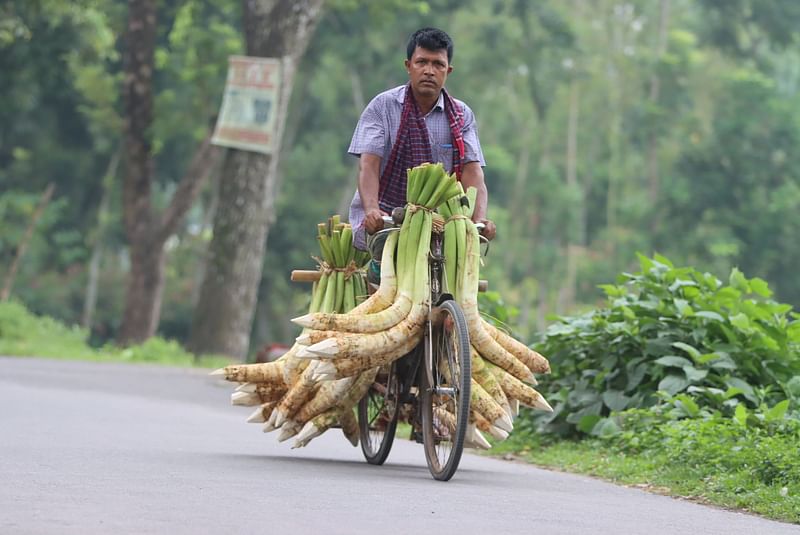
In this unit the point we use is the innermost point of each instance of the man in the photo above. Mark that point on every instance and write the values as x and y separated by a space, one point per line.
409 125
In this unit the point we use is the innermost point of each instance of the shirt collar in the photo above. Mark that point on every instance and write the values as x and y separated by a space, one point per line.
401 97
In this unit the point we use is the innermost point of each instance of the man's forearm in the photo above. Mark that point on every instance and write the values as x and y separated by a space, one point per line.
472 176
368 181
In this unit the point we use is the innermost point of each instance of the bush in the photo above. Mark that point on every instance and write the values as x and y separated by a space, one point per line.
25 334
668 332
766 450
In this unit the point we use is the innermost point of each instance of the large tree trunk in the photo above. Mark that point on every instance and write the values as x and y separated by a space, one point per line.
224 315
144 291
137 209
147 232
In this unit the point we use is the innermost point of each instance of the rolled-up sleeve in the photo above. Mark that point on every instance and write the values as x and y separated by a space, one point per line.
369 136
472 145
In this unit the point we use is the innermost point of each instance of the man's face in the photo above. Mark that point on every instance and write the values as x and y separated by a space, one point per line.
427 71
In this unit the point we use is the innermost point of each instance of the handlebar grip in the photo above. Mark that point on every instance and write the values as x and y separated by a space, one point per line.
387 220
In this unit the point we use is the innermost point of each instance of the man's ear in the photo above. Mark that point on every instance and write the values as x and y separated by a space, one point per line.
407 63
449 69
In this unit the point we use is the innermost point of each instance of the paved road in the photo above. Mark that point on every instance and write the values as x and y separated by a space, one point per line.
99 448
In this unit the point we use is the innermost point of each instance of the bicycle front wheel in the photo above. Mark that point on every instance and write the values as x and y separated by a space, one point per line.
446 391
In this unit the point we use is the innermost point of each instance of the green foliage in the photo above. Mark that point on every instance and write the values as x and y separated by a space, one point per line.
25 334
667 332
22 333
738 189
765 451
495 310
720 131
715 459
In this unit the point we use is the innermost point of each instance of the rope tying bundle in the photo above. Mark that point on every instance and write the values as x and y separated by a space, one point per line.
327 269
412 208
455 217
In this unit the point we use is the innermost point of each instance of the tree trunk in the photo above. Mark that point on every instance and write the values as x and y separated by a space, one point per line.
615 171
145 231
518 201
224 311
224 315
653 171
90 301
144 291
566 296
143 279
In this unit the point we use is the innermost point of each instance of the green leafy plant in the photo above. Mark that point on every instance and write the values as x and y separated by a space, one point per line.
672 333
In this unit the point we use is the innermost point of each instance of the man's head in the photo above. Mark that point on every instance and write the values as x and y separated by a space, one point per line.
428 58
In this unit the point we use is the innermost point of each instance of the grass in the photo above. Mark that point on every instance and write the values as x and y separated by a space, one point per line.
741 486
27 335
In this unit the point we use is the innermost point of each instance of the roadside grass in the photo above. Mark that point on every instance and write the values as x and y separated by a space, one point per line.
658 471
25 334
681 383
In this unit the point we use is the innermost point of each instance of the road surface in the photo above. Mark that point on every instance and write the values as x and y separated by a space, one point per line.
91 448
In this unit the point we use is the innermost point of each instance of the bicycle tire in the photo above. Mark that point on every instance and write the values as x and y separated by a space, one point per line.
376 444
450 355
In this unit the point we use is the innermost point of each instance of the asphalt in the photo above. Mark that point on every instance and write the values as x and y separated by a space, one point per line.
91 448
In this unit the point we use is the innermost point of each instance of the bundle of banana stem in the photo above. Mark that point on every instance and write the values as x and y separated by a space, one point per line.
389 324
338 354
286 396
501 365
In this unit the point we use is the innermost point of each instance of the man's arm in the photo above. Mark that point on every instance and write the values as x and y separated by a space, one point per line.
472 176
369 166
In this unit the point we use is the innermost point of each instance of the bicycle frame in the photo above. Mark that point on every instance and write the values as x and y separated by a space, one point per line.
425 377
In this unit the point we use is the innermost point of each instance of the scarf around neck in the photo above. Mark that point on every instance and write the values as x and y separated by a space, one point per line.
412 147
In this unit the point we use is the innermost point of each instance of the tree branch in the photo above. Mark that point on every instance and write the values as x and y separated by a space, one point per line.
23 244
204 160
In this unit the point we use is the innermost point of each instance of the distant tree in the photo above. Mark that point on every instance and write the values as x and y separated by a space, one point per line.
736 197
224 314
146 230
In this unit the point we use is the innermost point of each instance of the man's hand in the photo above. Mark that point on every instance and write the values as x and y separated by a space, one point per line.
489 230
373 222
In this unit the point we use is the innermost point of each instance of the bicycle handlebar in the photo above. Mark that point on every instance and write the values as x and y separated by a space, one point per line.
388 221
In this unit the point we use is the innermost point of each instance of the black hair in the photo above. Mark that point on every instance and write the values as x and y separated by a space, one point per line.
430 39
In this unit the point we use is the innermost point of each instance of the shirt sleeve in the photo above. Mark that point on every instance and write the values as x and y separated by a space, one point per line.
369 136
472 145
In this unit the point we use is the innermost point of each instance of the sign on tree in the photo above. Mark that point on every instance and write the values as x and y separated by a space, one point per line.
247 118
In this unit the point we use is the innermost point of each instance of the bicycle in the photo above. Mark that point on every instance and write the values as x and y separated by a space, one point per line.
430 386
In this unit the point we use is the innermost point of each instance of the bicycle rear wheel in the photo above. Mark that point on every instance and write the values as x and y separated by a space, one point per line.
377 415
446 392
